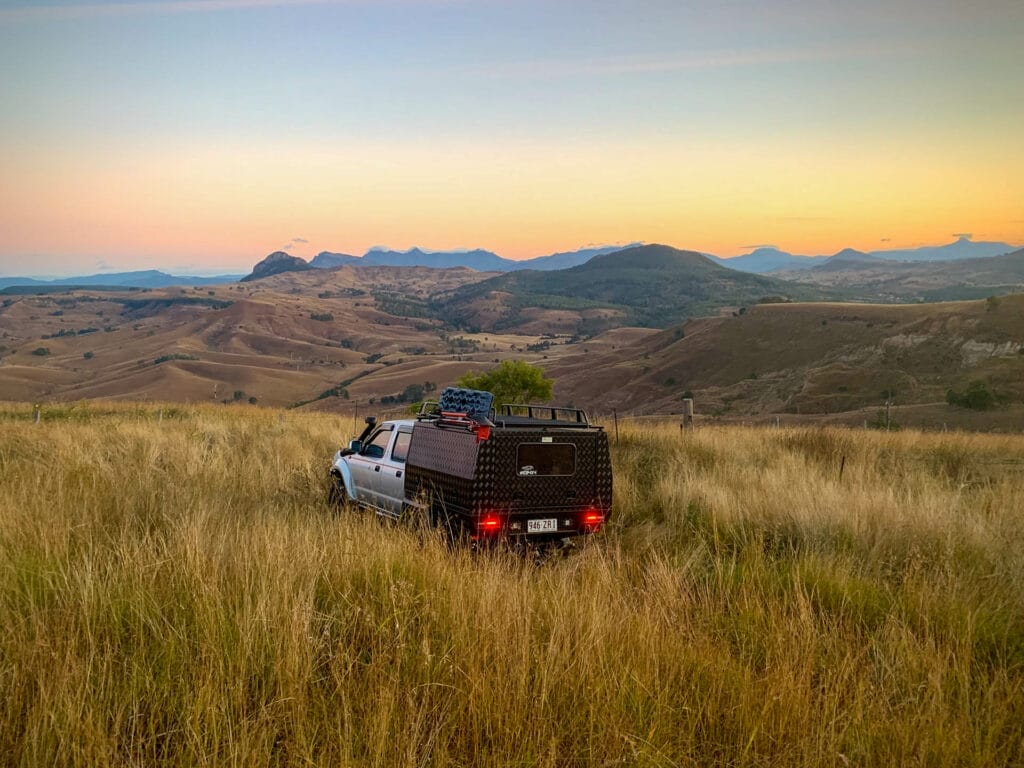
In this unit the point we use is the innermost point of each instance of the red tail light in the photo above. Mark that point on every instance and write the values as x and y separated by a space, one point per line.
489 524
592 518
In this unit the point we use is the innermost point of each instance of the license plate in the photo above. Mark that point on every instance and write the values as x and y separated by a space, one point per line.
547 525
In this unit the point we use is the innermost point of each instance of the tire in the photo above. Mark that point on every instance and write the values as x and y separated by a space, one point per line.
336 494
450 529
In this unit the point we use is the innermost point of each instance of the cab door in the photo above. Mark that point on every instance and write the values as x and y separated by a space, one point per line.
366 465
391 478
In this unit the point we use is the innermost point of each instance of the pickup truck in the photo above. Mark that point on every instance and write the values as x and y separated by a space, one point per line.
536 473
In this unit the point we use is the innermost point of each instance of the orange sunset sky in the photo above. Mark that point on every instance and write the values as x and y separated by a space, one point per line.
202 135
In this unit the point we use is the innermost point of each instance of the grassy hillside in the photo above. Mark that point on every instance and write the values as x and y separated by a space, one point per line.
338 339
650 285
809 359
282 340
175 592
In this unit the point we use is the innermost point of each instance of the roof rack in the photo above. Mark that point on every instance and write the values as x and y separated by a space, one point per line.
509 415
556 413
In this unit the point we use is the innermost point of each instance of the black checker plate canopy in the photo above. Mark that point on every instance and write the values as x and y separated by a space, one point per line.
469 477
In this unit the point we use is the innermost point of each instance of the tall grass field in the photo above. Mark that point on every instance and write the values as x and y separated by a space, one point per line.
174 590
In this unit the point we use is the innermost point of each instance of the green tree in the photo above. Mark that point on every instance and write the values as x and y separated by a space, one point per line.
977 397
413 393
513 381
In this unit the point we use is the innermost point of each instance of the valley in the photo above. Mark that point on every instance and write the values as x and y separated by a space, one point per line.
354 338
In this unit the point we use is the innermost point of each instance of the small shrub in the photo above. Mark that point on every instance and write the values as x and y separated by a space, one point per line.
41 351
175 356
88 355
977 397
325 317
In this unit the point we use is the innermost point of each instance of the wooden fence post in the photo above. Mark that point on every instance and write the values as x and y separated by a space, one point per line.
687 413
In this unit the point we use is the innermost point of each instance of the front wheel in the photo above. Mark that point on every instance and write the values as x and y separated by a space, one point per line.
336 495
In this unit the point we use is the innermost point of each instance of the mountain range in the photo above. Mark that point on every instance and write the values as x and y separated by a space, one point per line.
147 278
759 261
860 277
771 259
478 259
762 260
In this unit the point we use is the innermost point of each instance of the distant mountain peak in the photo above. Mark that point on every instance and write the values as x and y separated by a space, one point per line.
850 253
328 260
275 264
653 256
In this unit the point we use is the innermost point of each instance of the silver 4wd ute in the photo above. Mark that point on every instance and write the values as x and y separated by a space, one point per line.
536 472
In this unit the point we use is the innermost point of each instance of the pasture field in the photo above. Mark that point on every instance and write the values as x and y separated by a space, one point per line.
174 591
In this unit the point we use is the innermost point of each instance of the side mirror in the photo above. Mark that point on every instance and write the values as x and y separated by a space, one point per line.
355 446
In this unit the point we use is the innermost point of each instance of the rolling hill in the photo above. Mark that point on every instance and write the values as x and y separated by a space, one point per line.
353 338
868 278
648 285
809 359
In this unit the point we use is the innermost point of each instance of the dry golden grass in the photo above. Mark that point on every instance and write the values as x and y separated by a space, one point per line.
175 592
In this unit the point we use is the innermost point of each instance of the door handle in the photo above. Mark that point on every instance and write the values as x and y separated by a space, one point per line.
377 468
398 473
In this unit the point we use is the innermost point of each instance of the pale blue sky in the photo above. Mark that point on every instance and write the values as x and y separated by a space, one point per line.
92 82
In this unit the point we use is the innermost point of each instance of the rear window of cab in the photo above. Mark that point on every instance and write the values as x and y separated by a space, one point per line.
546 459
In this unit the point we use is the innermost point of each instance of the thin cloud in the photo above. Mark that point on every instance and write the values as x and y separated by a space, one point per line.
621 244
137 8
293 242
675 62
760 245
885 240
964 235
